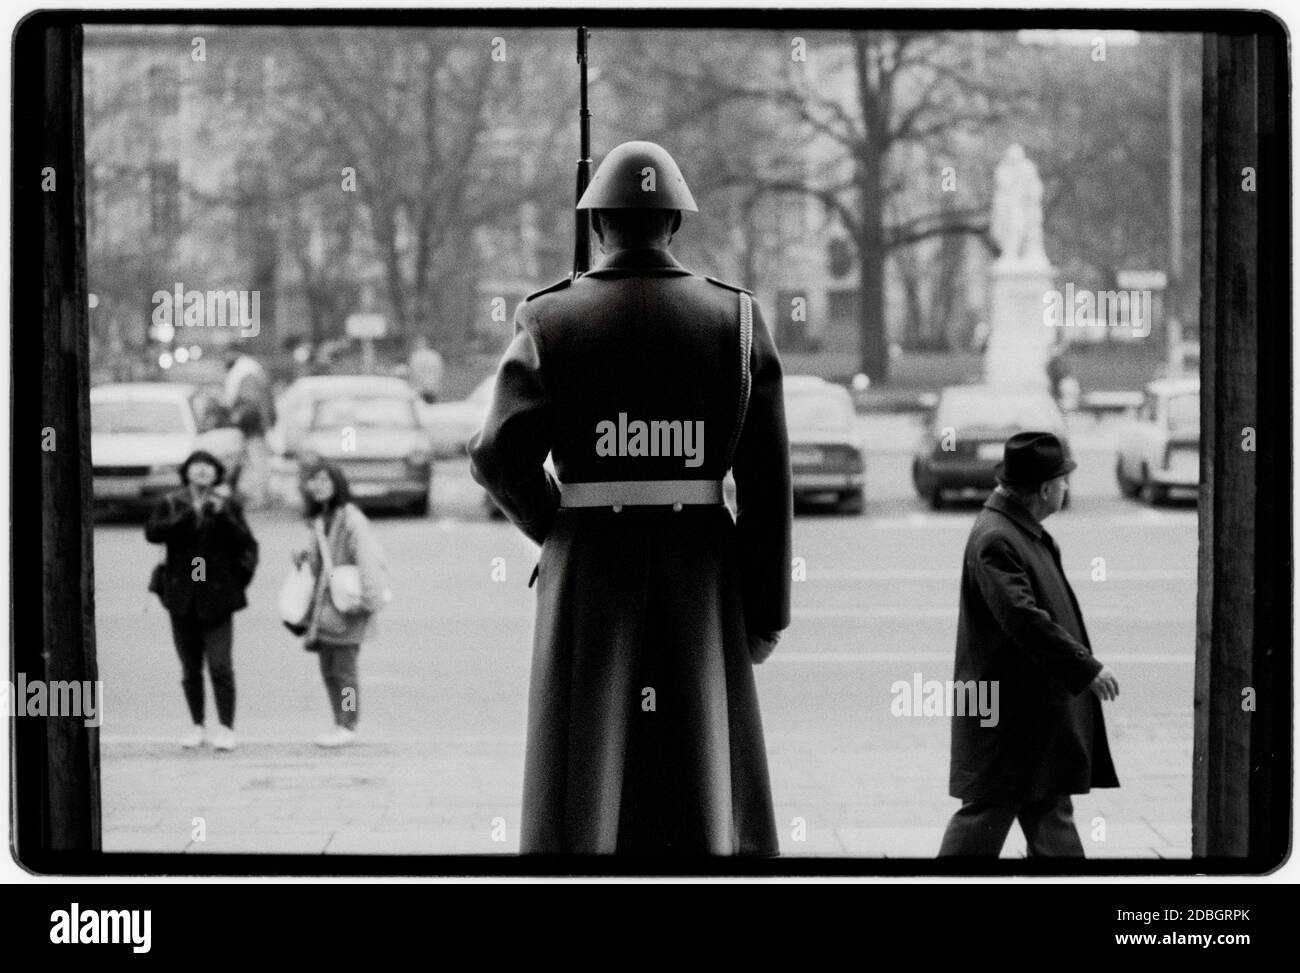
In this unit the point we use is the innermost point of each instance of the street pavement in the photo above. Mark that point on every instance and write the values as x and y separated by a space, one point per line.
439 762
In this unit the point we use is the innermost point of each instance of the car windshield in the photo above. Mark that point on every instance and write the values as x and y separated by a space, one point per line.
134 416
1185 414
996 411
818 411
371 411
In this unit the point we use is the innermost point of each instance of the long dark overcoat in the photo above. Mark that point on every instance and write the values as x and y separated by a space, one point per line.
1020 625
643 720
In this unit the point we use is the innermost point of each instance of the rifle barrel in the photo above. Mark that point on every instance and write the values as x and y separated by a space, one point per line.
582 217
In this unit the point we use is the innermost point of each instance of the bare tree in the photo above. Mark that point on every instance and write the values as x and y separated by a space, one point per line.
418 116
877 92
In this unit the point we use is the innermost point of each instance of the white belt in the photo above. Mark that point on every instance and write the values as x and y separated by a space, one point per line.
641 493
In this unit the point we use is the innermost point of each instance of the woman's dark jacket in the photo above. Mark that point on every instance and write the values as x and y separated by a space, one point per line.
211 556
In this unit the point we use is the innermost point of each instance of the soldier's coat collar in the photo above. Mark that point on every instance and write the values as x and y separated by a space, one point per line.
1005 505
636 260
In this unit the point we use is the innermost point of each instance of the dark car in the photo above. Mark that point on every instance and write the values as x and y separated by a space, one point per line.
369 426
965 434
825 446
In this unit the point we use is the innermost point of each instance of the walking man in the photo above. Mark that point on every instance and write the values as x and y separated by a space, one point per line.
1020 626
645 383
252 407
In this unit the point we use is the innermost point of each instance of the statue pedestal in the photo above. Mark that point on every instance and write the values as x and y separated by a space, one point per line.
1020 344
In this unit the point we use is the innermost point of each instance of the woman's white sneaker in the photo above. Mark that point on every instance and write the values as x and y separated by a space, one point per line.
337 737
195 738
223 738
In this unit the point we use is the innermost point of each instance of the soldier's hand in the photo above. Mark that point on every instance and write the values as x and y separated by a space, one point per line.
1105 685
761 646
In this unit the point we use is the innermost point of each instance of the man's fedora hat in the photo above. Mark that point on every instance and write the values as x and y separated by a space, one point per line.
1029 458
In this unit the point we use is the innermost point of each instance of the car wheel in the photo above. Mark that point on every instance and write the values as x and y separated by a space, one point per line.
420 508
926 488
1127 488
852 503
1152 493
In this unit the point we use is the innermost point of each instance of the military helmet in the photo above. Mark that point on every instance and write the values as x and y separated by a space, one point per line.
623 182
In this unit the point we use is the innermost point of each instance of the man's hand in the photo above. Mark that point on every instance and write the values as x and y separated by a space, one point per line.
761 646
1105 685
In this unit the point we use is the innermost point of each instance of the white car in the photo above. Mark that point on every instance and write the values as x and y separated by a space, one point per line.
451 424
140 432
1159 450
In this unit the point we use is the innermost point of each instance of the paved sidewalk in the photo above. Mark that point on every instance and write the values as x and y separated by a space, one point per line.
404 796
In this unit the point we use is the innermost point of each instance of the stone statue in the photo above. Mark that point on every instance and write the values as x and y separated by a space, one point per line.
1017 226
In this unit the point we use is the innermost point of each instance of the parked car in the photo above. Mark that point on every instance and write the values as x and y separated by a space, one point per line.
826 456
451 424
141 431
1159 450
369 426
965 434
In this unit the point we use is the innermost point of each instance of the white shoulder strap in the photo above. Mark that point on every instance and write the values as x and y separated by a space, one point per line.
746 347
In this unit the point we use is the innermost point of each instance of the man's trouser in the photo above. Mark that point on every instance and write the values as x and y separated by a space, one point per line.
980 828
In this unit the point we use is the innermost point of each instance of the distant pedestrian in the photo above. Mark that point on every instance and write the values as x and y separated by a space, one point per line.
247 391
1057 370
210 559
1020 631
425 367
342 538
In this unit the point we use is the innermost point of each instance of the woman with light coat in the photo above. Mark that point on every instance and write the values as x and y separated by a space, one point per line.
336 636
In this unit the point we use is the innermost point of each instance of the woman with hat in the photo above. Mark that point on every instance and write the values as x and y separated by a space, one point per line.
210 559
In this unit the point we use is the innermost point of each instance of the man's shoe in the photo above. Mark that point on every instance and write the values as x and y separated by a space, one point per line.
338 737
223 738
195 738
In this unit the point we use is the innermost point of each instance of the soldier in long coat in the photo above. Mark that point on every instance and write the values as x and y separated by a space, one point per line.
653 602
1020 627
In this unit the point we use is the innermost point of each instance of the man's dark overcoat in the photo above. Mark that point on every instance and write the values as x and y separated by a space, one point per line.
643 721
1020 624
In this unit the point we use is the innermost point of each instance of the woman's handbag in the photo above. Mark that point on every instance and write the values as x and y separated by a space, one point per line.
158 576
344 580
295 597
